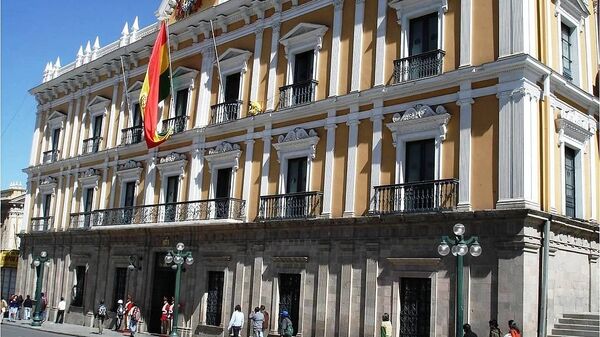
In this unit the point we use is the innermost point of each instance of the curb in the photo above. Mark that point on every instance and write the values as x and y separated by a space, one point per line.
29 327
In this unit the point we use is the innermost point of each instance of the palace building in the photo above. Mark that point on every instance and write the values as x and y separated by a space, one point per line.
320 152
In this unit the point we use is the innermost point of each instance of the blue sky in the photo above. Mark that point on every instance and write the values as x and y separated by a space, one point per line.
36 32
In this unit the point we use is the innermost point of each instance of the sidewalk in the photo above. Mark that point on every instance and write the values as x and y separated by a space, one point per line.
68 329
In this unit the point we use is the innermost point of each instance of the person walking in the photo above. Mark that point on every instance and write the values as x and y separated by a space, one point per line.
43 305
101 315
27 305
237 321
286 328
60 316
120 314
258 319
386 326
468 331
513 329
20 307
13 308
265 321
3 308
494 330
164 316
134 317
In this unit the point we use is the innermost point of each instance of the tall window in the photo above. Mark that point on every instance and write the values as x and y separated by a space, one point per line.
232 87
97 126
128 202
567 60
78 287
420 164
137 115
119 285
171 197
181 103
88 200
570 182
289 296
55 138
214 301
47 203
423 34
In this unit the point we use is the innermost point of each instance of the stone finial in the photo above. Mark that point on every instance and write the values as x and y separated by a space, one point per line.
134 30
124 35
57 63
79 58
88 52
46 72
96 48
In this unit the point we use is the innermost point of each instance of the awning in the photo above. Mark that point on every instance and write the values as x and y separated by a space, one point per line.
9 258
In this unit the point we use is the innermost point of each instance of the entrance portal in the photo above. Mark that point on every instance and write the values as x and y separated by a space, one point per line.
163 285
415 304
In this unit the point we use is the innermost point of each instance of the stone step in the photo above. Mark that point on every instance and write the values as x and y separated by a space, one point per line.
579 321
577 327
590 315
570 332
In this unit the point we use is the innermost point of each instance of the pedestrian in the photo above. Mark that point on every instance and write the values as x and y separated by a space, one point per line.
494 330
60 316
19 308
258 319
13 308
128 307
468 331
513 329
266 320
120 314
101 315
43 306
3 308
236 322
386 326
170 314
134 317
286 328
165 317
27 305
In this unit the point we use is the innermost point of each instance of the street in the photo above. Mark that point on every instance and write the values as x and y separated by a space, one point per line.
8 330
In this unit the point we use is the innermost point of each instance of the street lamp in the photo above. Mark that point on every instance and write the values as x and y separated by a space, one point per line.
134 263
459 246
177 259
39 262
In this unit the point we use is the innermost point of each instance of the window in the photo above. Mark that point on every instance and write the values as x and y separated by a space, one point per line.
171 197
570 182
46 206
567 61
128 201
78 287
98 126
420 162
55 138
119 286
88 199
289 296
222 192
181 103
423 34
8 281
214 302
296 175
137 116
415 304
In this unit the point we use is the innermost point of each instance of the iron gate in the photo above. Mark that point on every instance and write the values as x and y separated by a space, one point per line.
415 304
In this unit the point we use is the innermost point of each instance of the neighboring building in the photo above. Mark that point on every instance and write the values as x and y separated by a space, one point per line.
375 127
12 200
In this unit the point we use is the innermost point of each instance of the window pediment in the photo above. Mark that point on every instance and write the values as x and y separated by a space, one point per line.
134 92
130 170
303 37
297 141
172 164
234 60
98 105
89 178
575 125
575 8
421 118
412 8
183 77
48 185
56 119
224 155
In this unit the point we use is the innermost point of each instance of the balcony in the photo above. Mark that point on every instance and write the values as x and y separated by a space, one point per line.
41 224
177 124
426 196
91 145
81 220
50 156
132 135
225 112
297 94
212 209
302 205
419 66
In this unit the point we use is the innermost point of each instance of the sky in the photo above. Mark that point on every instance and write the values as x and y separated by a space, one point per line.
34 33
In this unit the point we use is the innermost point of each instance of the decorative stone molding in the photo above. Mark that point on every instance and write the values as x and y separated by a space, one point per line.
98 106
172 164
224 155
421 118
130 170
408 261
56 120
133 92
184 78
298 140
48 185
577 9
290 259
89 178
171 157
234 60
575 125
303 37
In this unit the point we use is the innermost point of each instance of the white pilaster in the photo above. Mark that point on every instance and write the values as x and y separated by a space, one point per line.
150 179
264 180
111 117
334 70
377 119
276 25
86 123
103 186
352 153
516 20
204 89
248 170
380 42
593 182
66 132
196 170
359 16
34 156
465 103
254 82
465 32
113 184
73 145
57 203
23 225
330 126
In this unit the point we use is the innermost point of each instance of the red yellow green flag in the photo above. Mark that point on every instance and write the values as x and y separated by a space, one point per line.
156 88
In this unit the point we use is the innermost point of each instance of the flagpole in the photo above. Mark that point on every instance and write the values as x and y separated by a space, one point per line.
172 105
212 29
125 84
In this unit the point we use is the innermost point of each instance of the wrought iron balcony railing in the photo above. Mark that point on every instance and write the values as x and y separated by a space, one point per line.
177 124
300 205
419 66
50 156
225 112
91 145
223 208
132 135
297 93
82 220
41 224
425 196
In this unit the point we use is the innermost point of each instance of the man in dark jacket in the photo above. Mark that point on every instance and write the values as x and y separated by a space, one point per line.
27 305
468 332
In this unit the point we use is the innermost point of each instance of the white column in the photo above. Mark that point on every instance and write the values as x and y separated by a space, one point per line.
248 170
57 196
111 117
196 170
377 119
593 182
150 180
102 204
359 16
504 33
82 129
24 225
113 184
588 52
380 42
66 132
465 33
330 126
465 103
352 153
334 77
37 134
205 87
264 180
121 121
255 81
271 83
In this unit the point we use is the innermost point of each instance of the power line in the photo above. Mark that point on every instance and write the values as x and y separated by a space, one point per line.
12 118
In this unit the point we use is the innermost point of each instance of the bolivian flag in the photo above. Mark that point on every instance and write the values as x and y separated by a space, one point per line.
156 88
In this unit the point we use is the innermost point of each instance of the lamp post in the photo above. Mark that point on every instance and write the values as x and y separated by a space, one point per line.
177 258
459 246
39 262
